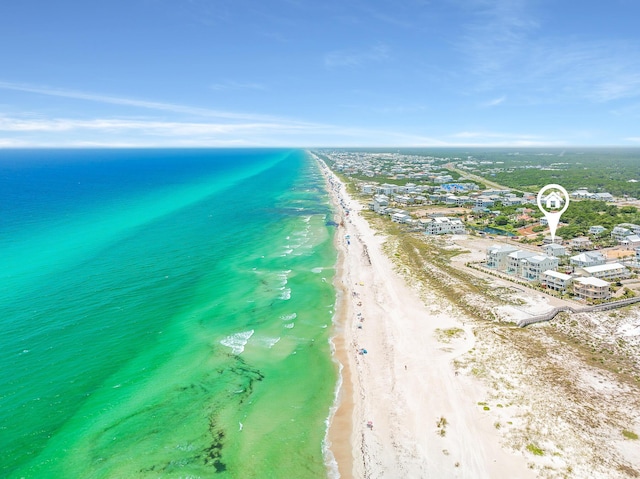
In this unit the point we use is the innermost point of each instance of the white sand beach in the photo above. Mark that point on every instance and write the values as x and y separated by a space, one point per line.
404 411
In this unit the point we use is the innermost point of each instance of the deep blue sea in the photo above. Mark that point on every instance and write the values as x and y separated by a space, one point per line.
164 313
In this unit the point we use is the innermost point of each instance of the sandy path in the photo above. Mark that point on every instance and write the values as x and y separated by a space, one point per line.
405 382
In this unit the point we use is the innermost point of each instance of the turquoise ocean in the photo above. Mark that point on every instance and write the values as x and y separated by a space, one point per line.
164 313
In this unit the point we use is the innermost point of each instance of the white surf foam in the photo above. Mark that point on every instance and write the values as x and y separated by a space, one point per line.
237 341
286 294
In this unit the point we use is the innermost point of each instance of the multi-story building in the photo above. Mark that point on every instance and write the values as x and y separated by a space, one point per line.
532 268
591 288
580 244
514 261
444 225
497 256
379 203
623 230
589 258
554 249
555 280
608 271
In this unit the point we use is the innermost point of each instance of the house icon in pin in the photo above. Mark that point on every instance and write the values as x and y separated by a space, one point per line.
554 201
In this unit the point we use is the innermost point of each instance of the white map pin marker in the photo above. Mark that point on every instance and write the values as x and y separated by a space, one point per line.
556 204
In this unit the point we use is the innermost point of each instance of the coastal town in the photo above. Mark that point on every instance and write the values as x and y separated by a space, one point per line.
483 325
427 194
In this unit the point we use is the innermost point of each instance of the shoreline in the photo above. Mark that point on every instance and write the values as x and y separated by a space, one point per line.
398 380
340 424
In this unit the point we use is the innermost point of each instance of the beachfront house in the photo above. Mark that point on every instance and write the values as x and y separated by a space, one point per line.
515 261
400 218
607 271
444 225
554 280
637 255
591 288
379 203
497 256
554 249
588 258
367 189
532 267
596 230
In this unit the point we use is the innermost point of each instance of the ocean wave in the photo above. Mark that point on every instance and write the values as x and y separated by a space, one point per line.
270 342
284 276
286 294
290 325
288 317
237 341
317 270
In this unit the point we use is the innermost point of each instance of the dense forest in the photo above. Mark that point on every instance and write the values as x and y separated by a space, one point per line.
580 215
616 171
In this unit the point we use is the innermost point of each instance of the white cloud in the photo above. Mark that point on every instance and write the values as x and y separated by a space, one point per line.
172 128
151 105
507 48
494 102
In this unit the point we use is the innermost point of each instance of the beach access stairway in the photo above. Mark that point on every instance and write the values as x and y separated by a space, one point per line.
598 307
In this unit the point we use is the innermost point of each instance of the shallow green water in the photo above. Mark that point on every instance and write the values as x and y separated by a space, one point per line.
174 328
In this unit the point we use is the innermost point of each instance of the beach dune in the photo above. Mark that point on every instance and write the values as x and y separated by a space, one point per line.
403 410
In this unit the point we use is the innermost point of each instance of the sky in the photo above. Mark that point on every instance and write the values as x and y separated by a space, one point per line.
311 73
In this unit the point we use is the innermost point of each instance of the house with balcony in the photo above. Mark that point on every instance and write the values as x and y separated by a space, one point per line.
591 288
533 267
444 225
588 258
631 241
515 261
387 189
554 249
555 280
608 271
379 203
581 243
596 230
484 202
497 256
623 230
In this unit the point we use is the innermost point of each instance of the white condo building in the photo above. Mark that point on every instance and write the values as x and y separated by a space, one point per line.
444 225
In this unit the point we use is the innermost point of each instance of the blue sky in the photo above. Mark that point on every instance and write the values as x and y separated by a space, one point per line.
319 73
